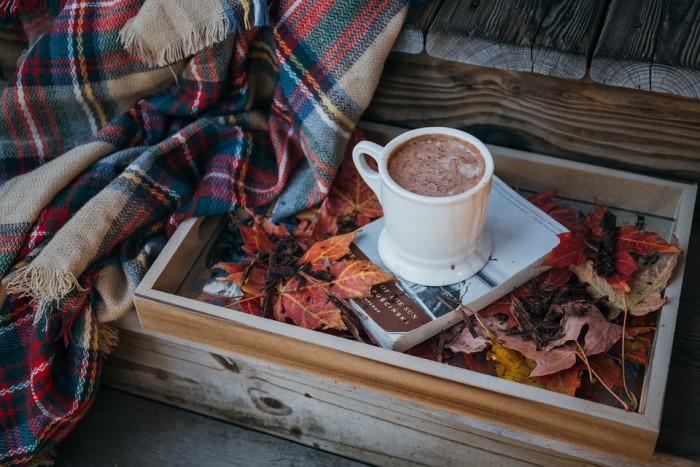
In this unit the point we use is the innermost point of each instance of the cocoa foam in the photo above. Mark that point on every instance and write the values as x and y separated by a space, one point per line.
436 165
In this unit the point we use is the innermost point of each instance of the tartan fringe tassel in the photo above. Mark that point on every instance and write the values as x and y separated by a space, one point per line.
107 338
186 46
41 282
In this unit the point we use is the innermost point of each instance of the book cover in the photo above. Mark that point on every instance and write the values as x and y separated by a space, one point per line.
399 315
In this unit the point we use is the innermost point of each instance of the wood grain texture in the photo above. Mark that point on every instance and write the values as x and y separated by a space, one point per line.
412 36
627 43
343 419
579 120
226 388
676 65
564 41
494 33
125 430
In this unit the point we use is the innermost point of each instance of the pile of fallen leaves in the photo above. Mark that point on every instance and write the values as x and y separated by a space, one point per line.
583 328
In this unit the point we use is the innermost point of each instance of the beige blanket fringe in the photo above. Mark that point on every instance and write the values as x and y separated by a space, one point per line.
42 282
164 32
107 338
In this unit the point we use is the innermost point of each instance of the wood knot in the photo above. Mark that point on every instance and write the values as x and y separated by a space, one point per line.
267 403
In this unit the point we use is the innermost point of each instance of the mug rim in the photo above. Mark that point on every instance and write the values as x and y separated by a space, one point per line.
453 132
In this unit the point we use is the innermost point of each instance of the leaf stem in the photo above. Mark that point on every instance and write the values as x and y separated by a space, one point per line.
600 380
630 396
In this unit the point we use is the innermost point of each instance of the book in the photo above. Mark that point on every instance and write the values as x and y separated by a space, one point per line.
399 314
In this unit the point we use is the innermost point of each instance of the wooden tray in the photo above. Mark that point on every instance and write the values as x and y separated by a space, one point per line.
495 418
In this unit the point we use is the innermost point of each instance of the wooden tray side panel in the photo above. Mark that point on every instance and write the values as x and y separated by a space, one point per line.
331 415
508 414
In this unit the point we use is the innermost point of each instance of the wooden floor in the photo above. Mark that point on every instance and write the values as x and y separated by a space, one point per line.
125 430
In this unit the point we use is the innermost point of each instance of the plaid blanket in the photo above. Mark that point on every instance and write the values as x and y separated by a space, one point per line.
102 155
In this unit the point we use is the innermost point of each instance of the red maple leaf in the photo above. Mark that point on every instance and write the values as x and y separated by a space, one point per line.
566 381
306 305
566 216
255 239
350 197
569 251
630 239
315 224
591 221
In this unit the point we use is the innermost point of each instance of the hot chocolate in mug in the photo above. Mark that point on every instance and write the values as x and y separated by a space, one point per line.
436 238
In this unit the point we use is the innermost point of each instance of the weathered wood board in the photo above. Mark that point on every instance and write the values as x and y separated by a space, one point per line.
676 65
626 45
125 430
412 36
549 37
651 45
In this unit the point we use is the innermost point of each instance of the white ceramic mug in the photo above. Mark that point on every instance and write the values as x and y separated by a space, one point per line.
429 240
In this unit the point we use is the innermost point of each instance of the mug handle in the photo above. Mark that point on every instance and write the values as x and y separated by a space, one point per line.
370 176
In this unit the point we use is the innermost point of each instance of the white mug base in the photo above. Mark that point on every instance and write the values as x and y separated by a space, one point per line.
433 274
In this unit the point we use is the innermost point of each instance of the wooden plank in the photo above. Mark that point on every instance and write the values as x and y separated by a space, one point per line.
579 120
219 386
494 33
126 430
676 65
564 42
626 45
412 36
348 420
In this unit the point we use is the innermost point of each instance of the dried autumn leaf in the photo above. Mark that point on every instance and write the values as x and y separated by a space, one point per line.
625 265
466 343
555 277
548 361
354 279
645 288
235 272
315 225
592 221
570 250
254 276
637 344
255 240
512 365
630 239
271 229
567 216
502 306
306 305
251 305
565 381
607 370
601 334
331 249
351 197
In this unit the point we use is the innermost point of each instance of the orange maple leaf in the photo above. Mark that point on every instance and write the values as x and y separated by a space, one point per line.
306 305
354 279
332 249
